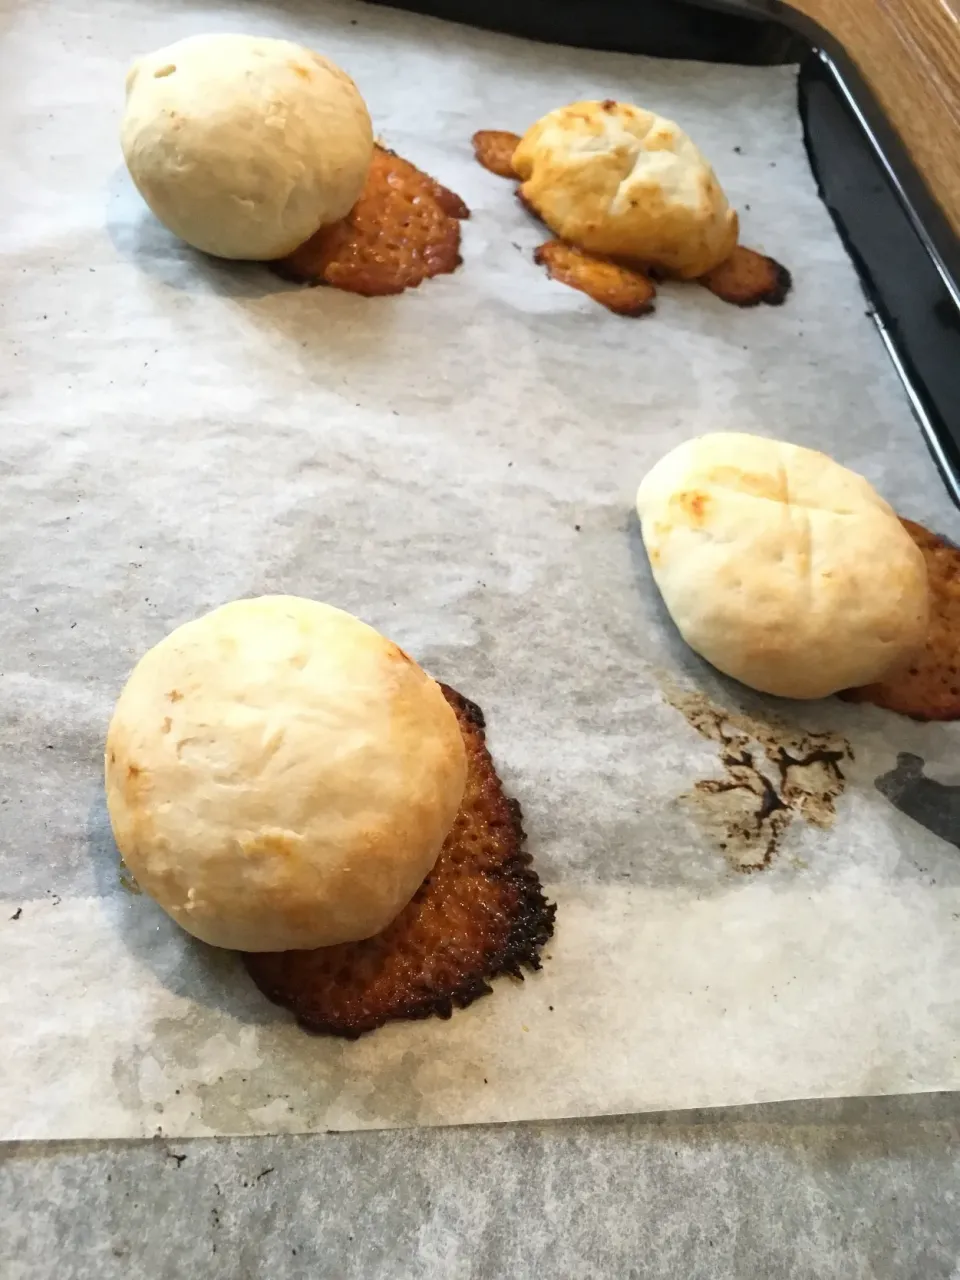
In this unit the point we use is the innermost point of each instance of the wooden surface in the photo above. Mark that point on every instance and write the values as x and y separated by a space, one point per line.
909 53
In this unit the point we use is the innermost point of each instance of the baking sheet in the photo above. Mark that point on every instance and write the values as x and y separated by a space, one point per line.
458 467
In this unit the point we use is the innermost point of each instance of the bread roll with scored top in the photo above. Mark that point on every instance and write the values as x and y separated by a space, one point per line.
779 566
620 181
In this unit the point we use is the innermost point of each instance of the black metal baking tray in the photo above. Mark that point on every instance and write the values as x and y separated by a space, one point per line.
904 249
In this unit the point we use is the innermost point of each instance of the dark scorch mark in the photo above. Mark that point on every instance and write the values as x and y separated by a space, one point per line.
772 775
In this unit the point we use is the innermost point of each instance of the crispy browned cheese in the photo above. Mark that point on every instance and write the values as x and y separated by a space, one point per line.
404 229
481 912
494 149
748 278
625 290
929 688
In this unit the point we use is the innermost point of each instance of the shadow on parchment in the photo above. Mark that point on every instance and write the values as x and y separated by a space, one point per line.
143 241
185 966
305 1074
320 338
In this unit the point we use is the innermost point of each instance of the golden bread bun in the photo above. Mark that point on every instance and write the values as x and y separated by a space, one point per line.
244 146
780 567
624 182
280 776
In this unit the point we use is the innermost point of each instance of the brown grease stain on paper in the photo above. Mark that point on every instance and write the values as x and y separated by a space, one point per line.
773 774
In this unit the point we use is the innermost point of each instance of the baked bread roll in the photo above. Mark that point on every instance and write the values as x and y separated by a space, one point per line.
780 567
280 776
617 180
243 146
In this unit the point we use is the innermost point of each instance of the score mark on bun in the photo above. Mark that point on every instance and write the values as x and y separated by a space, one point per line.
780 567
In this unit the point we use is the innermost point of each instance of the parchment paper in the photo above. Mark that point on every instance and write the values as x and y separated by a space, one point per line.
458 466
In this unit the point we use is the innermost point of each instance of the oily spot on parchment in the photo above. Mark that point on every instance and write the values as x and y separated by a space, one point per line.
181 1071
254 1079
773 774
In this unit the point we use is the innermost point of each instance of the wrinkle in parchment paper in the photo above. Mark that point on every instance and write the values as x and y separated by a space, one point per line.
458 467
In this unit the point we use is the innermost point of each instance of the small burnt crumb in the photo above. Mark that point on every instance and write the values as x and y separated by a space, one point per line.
609 104
17 914
175 1155
577 527
738 151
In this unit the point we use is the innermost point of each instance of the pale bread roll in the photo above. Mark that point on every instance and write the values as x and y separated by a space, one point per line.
244 146
618 180
780 567
279 776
